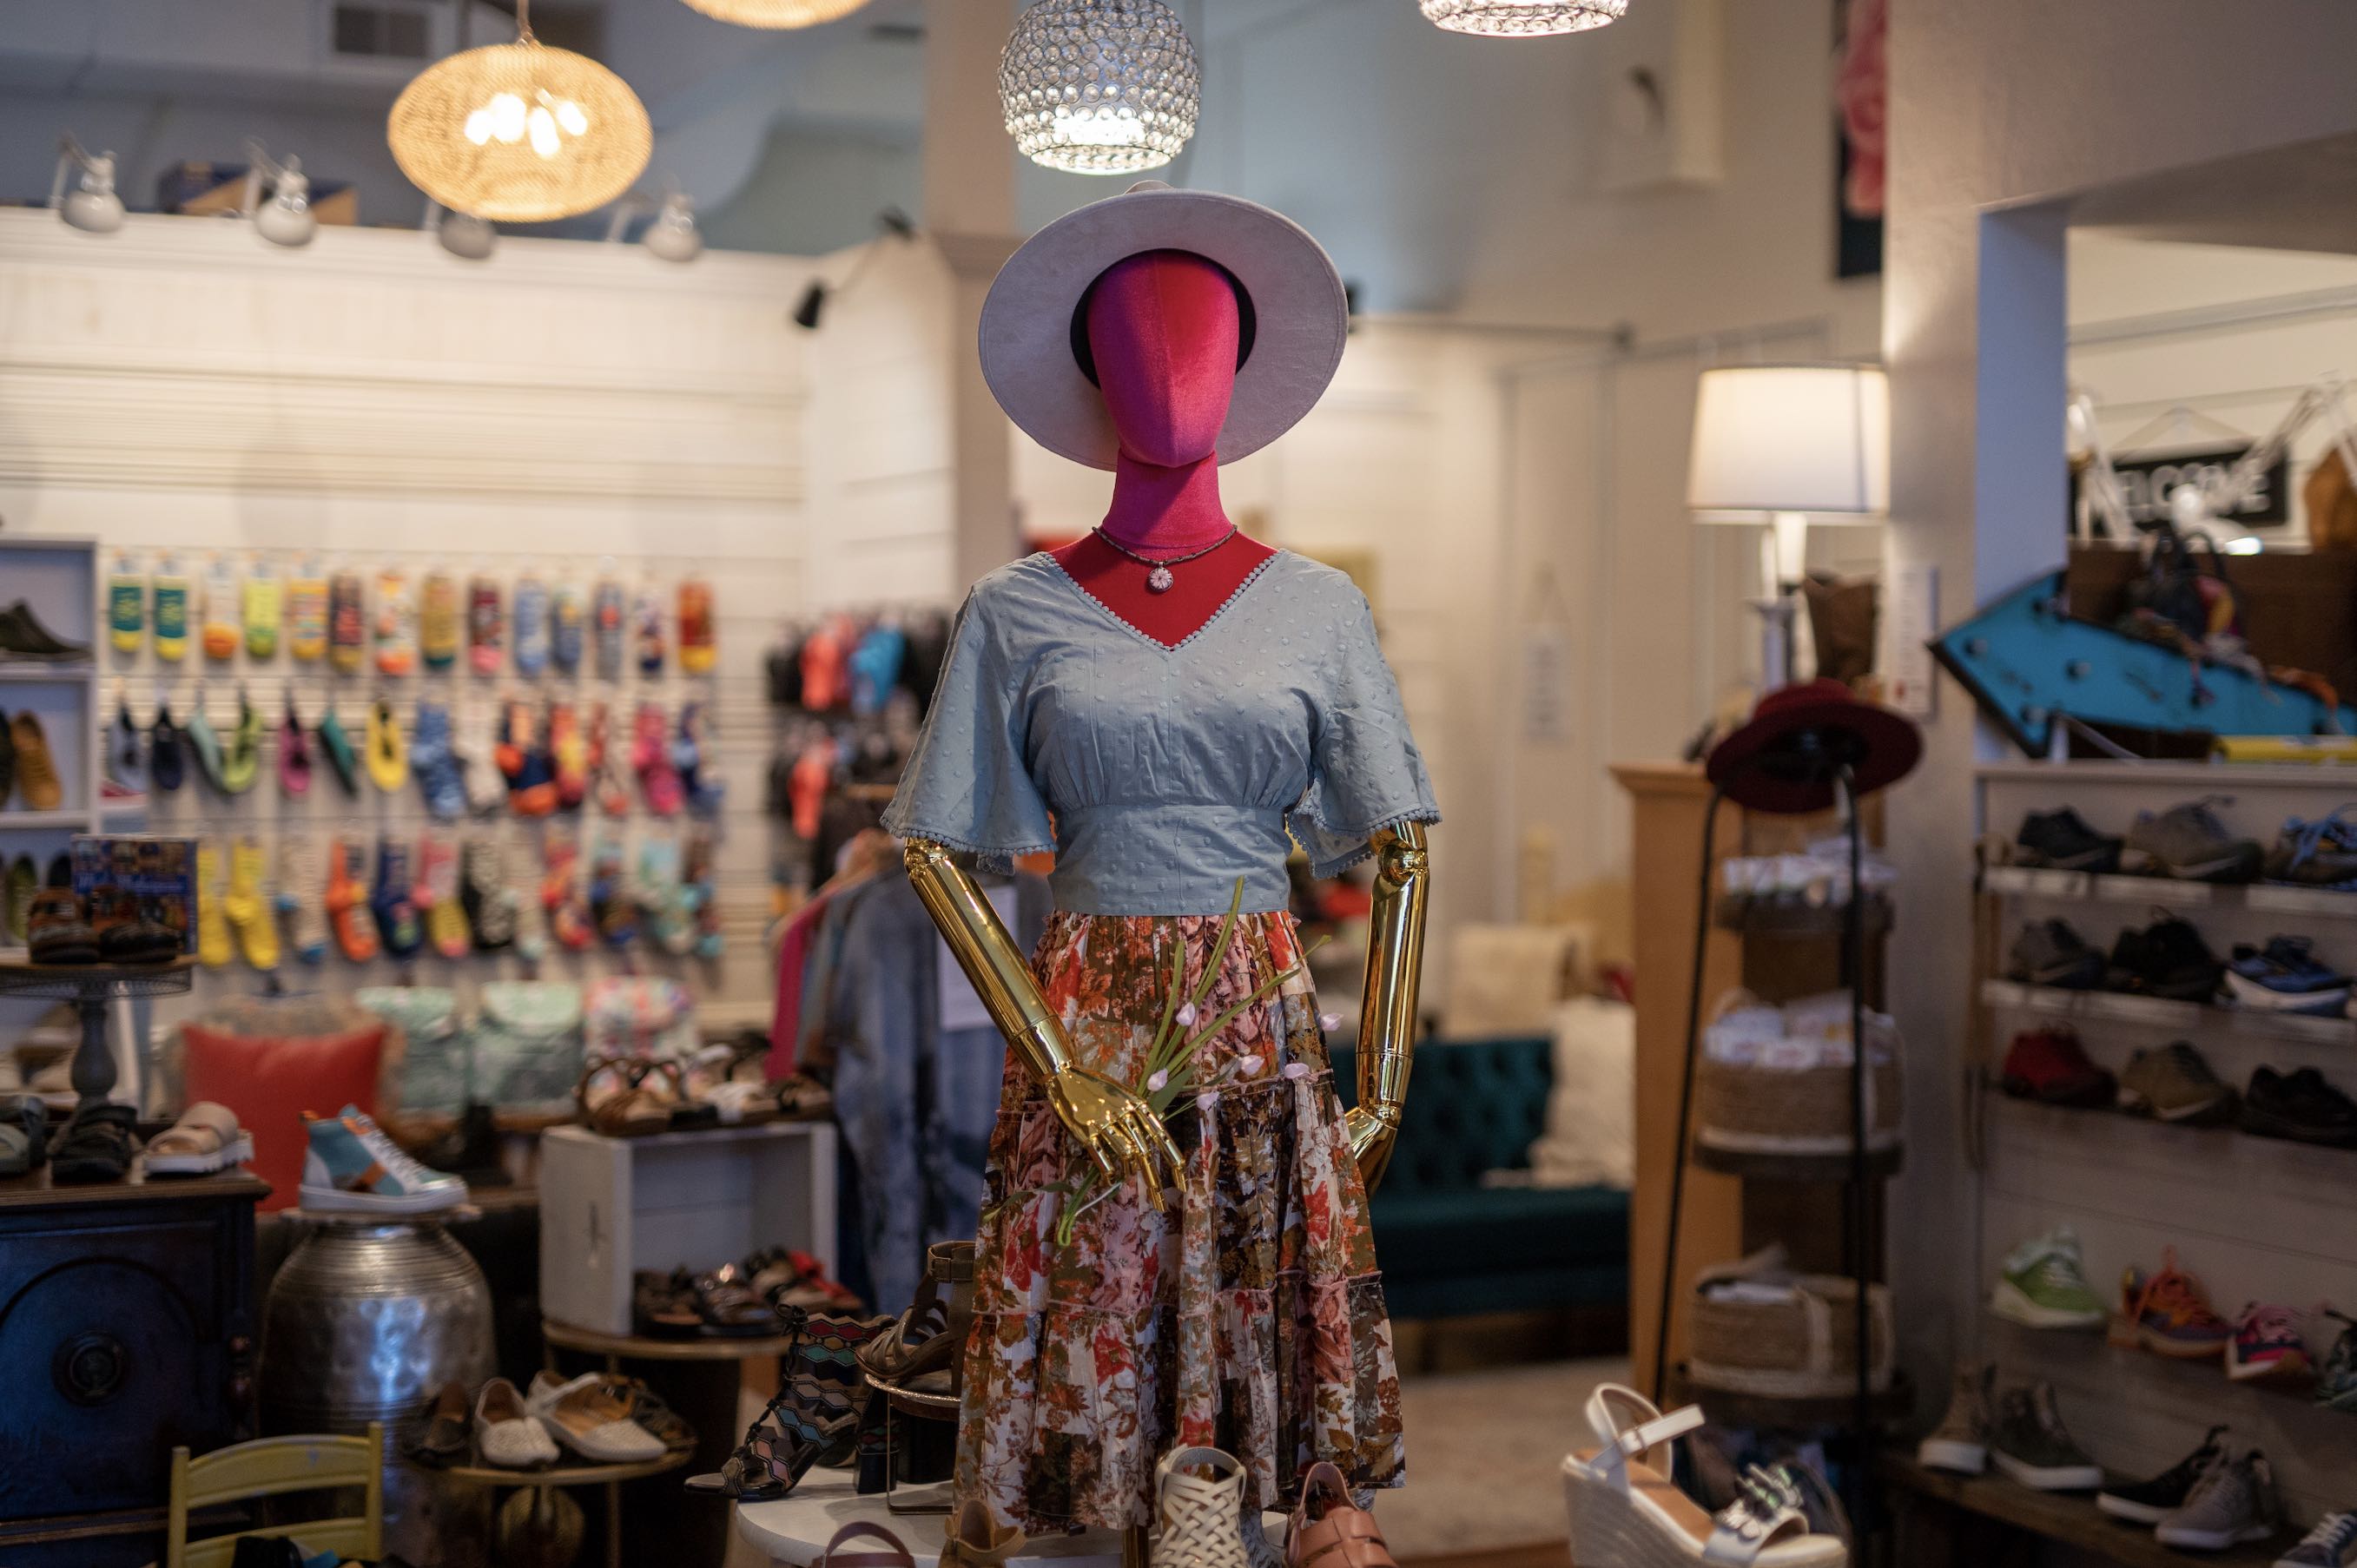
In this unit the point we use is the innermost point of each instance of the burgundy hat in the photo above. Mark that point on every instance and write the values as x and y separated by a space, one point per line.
1784 761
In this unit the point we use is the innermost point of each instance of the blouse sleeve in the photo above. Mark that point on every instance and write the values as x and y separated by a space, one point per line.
968 784
1365 773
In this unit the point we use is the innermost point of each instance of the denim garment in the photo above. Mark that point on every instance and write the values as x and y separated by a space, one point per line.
1170 771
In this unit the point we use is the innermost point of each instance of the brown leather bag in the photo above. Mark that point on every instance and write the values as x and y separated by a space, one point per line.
2331 502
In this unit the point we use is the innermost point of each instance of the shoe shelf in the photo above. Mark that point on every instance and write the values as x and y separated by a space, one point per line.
2268 1163
32 674
2071 1519
2256 897
2284 1413
558 1476
2197 1019
1798 1413
1755 1166
43 822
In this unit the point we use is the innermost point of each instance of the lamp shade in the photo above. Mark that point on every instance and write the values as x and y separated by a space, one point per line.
1807 439
777 13
1100 86
1524 18
520 133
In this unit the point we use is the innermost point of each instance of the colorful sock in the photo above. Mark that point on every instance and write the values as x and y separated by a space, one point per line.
607 614
126 606
265 601
698 644
298 901
703 795
484 630
248 904
479 772
396 626
560 891
213 947
306 618
566 618
531 929
489 902
610 904
393 902
703 894
293 752
661 899
342 760
437 894
221 633
348 901
529 609
164 762
347 622
568 756
650 760
205 746
607 781
523 761
241 763
437 765
647 631
388 753
438 622
171 617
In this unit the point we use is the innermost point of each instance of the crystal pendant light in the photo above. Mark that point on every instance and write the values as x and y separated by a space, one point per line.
520 133
1524 18
777 13
1100 86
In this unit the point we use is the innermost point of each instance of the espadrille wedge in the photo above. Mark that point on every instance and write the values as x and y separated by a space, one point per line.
1625 1513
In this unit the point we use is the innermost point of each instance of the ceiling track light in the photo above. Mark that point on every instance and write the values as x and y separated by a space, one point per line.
1100 86
895 224
673 236
520 133
288 218
777 13
468 237
92 206
1524 18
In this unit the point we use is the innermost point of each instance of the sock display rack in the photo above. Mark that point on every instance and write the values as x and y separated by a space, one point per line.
2253 1219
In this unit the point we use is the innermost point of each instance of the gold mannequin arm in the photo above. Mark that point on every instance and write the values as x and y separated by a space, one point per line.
1387 1005
1119 1130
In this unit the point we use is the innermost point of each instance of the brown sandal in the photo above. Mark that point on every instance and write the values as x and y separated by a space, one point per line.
731 1308
623 1106
664 1305
919 1363
1339 1535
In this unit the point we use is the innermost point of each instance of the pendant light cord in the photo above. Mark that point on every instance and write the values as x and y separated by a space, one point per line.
524 23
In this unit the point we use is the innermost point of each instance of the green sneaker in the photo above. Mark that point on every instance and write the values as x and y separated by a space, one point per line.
2044 1286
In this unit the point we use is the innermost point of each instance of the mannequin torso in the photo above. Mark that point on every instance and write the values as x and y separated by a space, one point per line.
1163 328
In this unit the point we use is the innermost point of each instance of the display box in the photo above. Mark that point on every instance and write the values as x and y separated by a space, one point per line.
155 873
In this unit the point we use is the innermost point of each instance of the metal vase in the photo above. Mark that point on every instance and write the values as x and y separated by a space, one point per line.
365 1319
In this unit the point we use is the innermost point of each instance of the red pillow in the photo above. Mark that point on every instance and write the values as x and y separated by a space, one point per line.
270 1080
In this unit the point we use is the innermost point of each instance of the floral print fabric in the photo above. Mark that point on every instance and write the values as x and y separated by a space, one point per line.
1249 1316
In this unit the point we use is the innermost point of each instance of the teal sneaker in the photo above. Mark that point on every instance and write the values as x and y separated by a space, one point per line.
353 1168
2044 1286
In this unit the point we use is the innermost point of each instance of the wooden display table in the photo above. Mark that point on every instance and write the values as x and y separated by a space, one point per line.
533 1536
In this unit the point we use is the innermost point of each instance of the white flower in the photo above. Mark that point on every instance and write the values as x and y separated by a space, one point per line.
1207 1101
1296 1070
1187 1016
1157 1083
1248 1067
1330 1022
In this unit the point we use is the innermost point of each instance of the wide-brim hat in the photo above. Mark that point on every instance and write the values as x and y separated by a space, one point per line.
1297 315
1784 761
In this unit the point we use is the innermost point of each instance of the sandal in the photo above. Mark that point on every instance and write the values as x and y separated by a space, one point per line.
921 1353
793 1432
789 1277
894 1555
975 1541
1343 1535
663 1306
730 1308
622 1105
649 1410
800 1098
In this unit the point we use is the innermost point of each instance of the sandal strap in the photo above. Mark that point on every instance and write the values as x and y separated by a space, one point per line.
895 1555
1649 1430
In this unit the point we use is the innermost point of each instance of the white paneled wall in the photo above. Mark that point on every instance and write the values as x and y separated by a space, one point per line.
561 408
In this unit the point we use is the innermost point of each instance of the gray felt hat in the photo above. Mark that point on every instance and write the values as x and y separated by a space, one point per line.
1296 317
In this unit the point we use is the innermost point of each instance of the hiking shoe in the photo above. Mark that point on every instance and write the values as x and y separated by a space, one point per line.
24 638
2049 952
2321 853
2284 977
2301 1106
2031 1446
2043 1284
352 1167
2191 843
2332 1544
2049 1066
2234 1501
37 781
56 931
2336 1382
2174 1084
96 1145
2167 959
2149 1502
1960 1443
2062 840
2267 1343
2168 1312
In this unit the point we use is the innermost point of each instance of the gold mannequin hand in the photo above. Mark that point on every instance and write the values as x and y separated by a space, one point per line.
1387 1021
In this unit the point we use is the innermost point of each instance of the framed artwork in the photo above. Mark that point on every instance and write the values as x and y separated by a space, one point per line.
1861 104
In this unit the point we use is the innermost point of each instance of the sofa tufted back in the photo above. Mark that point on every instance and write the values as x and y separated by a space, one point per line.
1472 1106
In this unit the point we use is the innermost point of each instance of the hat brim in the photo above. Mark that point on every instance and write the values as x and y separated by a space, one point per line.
1750 766
1302 316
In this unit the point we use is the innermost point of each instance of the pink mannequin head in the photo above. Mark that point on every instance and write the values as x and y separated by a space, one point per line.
1164 329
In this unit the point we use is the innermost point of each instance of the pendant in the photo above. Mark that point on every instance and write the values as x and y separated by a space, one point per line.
1158 581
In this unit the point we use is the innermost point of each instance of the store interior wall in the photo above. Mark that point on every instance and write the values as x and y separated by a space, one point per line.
2000 110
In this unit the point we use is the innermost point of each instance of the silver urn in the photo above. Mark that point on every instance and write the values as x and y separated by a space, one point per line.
365 1320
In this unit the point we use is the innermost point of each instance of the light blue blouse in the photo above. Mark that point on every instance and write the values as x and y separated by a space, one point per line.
1170 771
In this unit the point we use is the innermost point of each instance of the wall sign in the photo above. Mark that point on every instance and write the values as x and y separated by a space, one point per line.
2149 478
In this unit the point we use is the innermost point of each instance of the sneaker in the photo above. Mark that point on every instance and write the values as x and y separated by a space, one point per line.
2174 1084
2267 1343
2149 1502
2332 1544
2232 1502
2049 952
2284 977
2190 843
1960 1443
23 637
2031 1446
2061 841
2043 1284
2168 1312
2166 959
352 1167
2321 853
2049 1066
2336 1381
2301 1106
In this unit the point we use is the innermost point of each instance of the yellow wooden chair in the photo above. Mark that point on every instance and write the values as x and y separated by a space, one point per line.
265 1470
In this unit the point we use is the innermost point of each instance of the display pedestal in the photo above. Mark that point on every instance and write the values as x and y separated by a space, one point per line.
90 987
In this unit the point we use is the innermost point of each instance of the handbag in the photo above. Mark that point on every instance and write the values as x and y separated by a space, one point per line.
528 1044
437 1073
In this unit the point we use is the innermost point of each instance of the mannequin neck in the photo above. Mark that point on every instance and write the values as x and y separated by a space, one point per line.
1162 511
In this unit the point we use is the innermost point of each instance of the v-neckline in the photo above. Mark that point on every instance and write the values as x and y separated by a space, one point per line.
1147 638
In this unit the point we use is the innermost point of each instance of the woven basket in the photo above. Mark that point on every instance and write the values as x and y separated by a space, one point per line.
1802 1346
1756 1110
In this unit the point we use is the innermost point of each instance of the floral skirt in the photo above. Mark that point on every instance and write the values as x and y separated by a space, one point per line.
1249 1316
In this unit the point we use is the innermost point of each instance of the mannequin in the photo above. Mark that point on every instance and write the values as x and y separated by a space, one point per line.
1164 329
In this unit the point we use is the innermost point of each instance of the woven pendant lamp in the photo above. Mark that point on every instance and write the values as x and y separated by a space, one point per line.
777 13
1524 18
520 133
